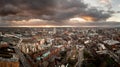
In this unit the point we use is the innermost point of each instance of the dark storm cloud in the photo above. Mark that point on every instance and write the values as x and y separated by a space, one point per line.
56 10
8 9
98 15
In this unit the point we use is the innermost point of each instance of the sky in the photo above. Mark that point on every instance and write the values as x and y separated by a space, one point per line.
58 12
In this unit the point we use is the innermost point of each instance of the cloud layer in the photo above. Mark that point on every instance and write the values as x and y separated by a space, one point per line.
51 10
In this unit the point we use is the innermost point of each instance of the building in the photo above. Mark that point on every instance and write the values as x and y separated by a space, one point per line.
9 64
8 58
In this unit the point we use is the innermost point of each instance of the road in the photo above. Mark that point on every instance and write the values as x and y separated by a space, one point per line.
22 58
111 53
80 57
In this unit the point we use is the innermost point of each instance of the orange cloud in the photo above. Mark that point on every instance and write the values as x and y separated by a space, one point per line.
88 18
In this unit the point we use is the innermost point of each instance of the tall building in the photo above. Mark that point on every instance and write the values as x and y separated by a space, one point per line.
54 30
8 58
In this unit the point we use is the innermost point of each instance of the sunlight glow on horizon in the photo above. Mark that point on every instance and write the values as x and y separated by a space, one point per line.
75 20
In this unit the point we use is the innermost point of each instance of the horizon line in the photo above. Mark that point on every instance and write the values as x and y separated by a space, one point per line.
56 26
